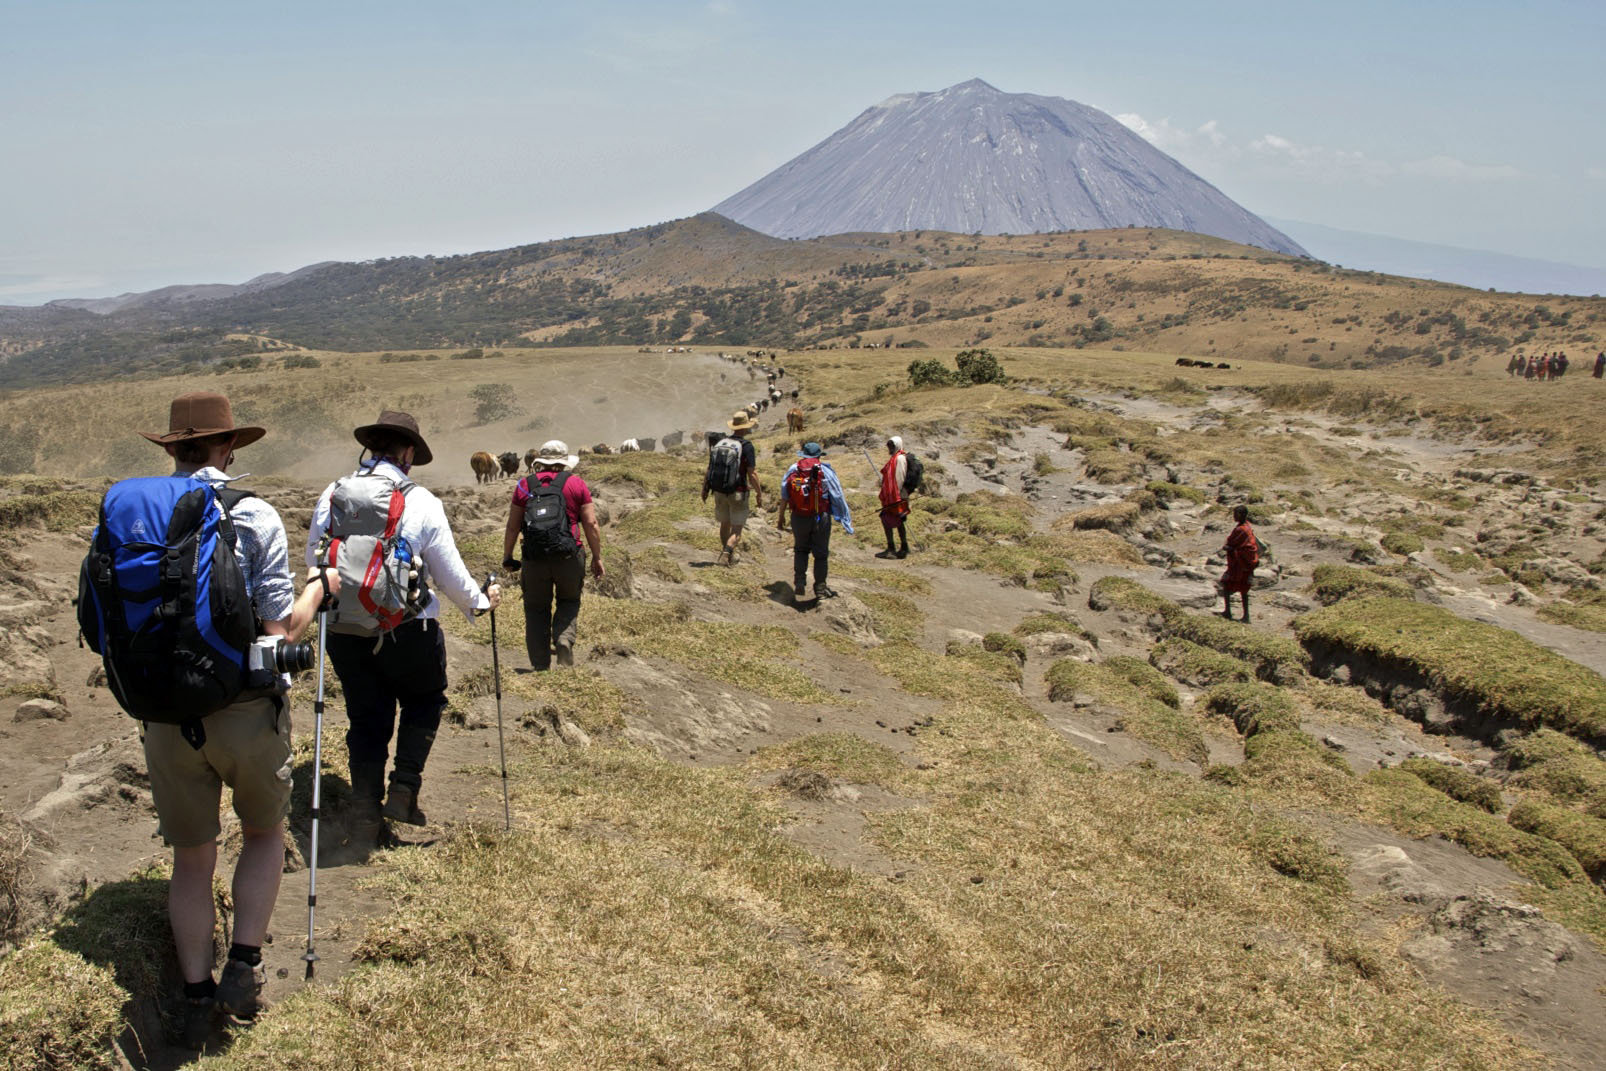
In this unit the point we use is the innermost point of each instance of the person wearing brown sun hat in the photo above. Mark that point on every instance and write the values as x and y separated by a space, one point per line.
245 745
392 665
732 472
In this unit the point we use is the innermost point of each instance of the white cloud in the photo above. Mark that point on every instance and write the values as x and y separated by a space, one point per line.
1319 163
1163 134
1450 169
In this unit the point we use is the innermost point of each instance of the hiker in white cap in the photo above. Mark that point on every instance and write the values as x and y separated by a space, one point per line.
551 506
732 472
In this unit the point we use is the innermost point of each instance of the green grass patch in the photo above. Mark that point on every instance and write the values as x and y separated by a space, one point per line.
1174 492
1555 763
579 694
1274 658
55 511
1456 783
1293 768
1122 593
57 1010
1330 583
1003 643
892 578
1197 665
1460 560
840 756
1142 714
1407 803
1493 668
1581 834
1053 622
1402 543
1589 616
896 617
1111 516
655 561
1253 707
1145 678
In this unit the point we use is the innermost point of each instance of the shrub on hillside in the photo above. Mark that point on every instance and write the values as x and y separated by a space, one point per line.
979 366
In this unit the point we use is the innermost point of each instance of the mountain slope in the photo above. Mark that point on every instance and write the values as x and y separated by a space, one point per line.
971 158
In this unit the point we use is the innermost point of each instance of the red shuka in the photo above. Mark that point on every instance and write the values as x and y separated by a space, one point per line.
894 507
1240 574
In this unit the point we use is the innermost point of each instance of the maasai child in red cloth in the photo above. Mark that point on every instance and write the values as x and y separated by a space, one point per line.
894 503
1243 554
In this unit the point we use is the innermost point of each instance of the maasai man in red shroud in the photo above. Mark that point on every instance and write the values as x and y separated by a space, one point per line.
1243 554
894 499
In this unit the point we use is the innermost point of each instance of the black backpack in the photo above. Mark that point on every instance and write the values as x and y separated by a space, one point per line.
547 531
913 473
725 466
162 600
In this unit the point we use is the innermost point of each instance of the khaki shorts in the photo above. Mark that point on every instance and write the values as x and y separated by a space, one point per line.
247 748
731 508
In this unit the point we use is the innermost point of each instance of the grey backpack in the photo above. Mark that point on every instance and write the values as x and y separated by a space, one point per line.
383 582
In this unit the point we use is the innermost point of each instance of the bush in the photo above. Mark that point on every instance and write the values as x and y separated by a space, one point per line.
492 401
302 360
979 366
929 373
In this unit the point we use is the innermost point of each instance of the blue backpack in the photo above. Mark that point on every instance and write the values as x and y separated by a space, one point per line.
162 600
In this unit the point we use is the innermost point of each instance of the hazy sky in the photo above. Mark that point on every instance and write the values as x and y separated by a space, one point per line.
154 142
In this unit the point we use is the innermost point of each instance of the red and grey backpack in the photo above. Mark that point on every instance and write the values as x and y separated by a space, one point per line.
383 582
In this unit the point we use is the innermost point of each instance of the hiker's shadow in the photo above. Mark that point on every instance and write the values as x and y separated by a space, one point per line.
780 592
123 926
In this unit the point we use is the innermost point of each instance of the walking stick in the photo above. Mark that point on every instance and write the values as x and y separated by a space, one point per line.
501 748
311 955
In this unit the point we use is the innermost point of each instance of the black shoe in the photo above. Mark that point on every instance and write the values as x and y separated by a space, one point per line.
1227 614
823 592
200 1021
903 552
239 991
799 588
888 553
402 806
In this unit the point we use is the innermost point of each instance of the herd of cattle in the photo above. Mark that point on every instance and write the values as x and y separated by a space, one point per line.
1189 362
490 467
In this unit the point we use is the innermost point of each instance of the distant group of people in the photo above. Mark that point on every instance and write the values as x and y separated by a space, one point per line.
1548 366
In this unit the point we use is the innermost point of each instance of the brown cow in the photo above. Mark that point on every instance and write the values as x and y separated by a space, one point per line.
529 457
484 466
794 419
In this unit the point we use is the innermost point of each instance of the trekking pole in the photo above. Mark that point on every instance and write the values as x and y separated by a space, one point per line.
501 748
311 955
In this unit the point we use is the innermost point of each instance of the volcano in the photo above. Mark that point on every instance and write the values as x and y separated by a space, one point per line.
972 158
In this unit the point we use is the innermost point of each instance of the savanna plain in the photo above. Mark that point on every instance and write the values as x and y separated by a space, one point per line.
1021 800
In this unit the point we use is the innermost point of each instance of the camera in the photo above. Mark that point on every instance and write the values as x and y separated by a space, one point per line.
269 656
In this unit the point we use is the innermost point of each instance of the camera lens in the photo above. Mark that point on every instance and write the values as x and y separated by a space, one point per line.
292 657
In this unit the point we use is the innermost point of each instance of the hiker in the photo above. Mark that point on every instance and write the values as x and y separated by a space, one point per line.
733 472
1511 365
392 661
895 499
245 745
1600 365
812 493
1243 554
1522 367
551 507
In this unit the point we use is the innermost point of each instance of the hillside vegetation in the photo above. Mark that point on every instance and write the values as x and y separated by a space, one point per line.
710 282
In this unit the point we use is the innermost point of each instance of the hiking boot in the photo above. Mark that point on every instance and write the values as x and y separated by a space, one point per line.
1227 614
200 1020
903 552
402 805
565 654
888 553
823 592
800 588
239 991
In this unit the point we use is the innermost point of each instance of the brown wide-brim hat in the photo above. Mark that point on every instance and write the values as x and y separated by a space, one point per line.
199 414
740 421
394 422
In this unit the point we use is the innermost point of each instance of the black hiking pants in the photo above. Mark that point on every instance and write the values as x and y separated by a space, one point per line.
811 535
407 671
547 581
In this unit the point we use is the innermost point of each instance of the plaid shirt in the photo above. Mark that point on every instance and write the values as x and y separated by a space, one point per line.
261 548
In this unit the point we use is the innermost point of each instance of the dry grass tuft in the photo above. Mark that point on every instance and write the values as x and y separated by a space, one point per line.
56 1010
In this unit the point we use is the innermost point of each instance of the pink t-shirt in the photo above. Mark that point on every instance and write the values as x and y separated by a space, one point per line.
575 495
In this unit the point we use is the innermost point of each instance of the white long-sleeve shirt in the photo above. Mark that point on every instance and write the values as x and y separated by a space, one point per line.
429 533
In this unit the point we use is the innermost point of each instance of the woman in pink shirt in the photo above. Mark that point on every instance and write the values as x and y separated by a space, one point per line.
550 508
